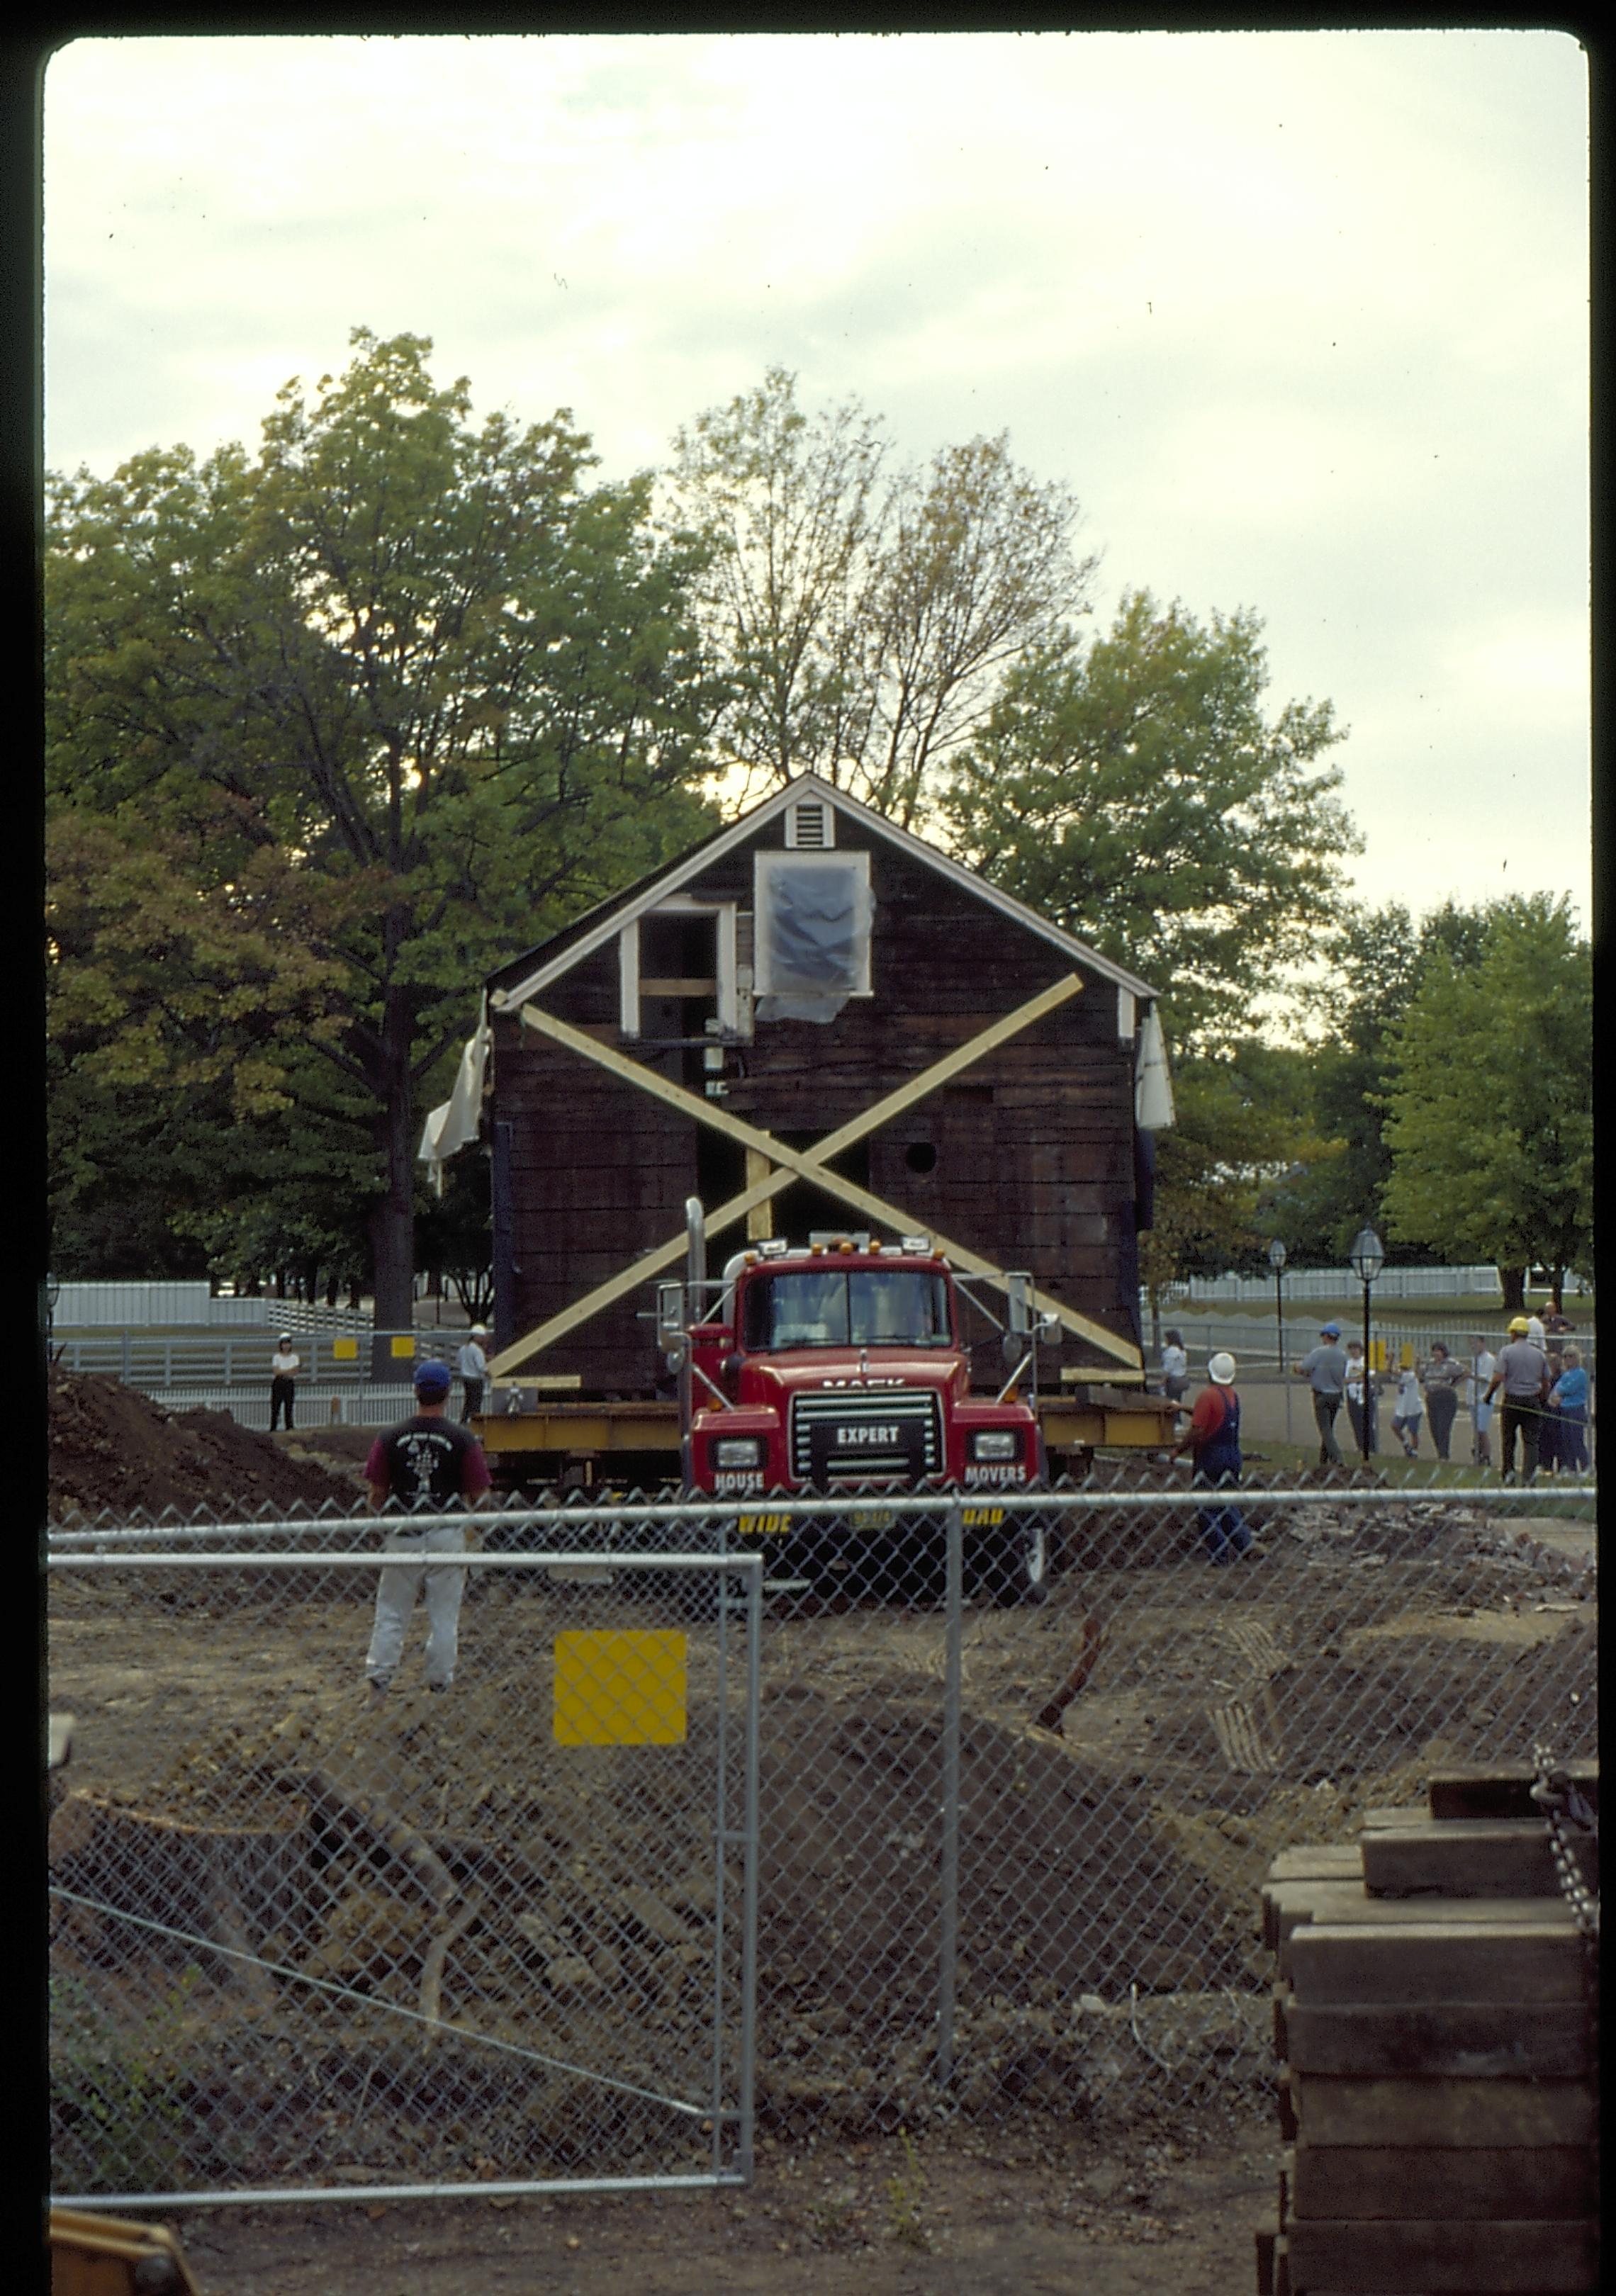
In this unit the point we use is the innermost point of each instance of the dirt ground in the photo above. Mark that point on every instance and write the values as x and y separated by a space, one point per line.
113 1449
1139 2213
1227 1715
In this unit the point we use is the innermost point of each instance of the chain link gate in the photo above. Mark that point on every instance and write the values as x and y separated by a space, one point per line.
310 1942
1022 1763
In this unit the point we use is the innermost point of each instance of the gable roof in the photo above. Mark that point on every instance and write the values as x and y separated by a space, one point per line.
585 934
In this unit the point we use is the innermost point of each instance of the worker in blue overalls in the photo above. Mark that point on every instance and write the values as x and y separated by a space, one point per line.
1213 1437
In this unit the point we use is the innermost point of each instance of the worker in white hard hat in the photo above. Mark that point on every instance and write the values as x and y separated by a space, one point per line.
1213 1436
472 1365
284 1365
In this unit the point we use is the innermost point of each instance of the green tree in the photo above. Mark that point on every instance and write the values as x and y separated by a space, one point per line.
1243 1116
1374 960
1136 792
1491 1108
401 693
866 615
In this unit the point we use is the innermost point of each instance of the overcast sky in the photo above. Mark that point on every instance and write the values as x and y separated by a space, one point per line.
1301 316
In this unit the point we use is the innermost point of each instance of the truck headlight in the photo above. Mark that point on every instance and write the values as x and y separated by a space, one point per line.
995 1443
738 1451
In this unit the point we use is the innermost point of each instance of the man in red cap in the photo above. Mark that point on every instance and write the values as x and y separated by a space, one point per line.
427 1466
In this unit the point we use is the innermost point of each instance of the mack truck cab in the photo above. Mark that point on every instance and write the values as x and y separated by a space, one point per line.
838 1369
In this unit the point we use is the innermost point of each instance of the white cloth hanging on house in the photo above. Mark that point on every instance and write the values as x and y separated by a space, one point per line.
1152 1080
456 1121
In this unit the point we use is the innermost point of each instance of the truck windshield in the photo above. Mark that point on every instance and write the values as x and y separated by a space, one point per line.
842 1307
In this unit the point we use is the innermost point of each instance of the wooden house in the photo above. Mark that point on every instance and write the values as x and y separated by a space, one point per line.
794 976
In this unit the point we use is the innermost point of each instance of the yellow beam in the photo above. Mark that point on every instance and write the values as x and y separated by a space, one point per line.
810 1165
759 1220
760 1186
759 1144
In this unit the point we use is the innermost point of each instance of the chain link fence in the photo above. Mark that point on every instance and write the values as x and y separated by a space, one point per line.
1017 1764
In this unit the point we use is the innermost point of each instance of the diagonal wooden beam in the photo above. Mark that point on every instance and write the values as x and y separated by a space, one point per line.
810 1165
657 1262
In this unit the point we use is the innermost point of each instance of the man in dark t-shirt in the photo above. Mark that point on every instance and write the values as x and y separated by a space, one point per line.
427 1466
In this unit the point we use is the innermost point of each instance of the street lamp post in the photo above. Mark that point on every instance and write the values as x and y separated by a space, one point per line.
1367 1257
1276 1261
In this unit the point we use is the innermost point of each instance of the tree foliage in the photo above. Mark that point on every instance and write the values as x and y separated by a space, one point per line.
865 614
1490 1109
1135 790
344 724
1242 1115
1373 961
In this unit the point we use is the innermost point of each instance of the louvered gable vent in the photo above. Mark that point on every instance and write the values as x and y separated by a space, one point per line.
810 825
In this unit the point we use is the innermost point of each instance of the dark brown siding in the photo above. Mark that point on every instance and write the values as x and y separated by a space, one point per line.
1030 1151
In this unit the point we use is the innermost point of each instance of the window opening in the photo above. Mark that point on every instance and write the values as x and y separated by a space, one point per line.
813 917
679 974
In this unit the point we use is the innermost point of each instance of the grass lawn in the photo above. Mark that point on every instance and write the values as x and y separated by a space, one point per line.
1268 1458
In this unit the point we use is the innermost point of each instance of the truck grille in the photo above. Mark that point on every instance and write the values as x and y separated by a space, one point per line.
845 1437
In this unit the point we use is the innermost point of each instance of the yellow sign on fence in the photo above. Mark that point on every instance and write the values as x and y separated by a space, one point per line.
403 1344
345 1352
620 1688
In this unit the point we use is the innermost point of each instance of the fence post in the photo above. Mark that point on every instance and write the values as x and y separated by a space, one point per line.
746 2130
947 1953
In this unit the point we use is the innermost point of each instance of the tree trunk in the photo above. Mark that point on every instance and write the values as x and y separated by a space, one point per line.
1513 1280
392 1223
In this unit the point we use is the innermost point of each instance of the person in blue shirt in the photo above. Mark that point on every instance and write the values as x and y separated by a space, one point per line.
1570 1397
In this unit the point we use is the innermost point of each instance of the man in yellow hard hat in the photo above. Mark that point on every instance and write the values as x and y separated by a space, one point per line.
1522 1373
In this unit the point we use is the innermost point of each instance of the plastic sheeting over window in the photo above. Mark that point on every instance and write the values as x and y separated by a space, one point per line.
813 934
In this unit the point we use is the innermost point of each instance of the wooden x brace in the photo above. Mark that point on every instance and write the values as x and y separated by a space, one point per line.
808 1164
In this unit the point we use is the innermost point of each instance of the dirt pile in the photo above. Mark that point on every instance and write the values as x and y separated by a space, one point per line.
113 1450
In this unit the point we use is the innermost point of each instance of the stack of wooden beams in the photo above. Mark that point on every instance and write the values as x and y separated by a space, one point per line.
1434 2018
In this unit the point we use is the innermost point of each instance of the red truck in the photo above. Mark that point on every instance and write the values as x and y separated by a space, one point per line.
838 1368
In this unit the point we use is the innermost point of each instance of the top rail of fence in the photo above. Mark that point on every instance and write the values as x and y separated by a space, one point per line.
1512 1501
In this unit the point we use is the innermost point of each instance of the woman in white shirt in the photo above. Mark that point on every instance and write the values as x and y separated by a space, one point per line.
1483 1363
1175 1367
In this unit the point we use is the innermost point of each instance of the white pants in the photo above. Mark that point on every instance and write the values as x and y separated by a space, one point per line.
397 1589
